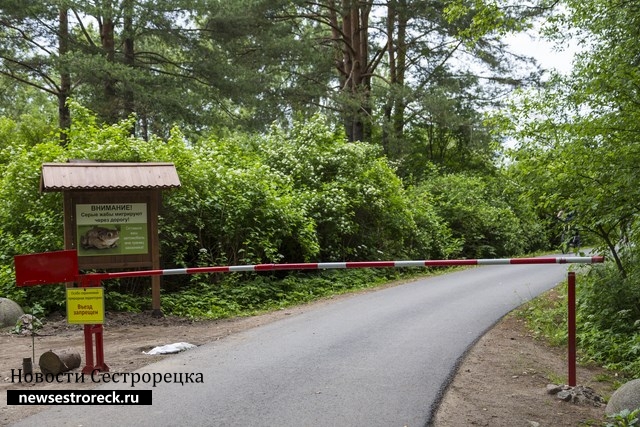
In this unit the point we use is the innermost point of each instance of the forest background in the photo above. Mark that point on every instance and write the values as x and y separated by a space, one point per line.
333 130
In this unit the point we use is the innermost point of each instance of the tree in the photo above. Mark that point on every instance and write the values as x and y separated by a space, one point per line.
31 54
349 23
117 58
578 151
412 75
134 61
578 137
212 64
447 61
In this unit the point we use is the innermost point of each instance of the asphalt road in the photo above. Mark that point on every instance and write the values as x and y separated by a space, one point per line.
374 359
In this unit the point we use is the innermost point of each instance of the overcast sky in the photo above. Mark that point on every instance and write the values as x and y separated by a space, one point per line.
547 53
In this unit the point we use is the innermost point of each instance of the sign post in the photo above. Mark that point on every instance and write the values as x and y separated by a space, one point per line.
111 212
85 306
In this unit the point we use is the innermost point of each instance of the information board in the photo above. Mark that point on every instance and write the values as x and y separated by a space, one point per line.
112 229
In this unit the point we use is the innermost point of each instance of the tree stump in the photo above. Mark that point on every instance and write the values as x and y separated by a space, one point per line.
56 362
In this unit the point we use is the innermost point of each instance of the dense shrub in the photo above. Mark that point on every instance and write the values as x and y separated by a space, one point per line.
295 195
234 208
287 196
478 215
357 202
609 316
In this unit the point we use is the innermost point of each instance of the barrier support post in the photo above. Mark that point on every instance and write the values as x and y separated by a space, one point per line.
93 364
571 320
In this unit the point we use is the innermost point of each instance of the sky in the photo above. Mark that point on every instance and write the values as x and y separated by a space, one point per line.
547 53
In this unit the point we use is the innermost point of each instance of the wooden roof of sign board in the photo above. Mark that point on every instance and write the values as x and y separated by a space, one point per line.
108 176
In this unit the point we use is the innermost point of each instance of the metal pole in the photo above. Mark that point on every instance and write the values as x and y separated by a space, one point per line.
93 363
571 297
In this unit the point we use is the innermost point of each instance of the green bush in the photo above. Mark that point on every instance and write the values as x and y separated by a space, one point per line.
432 238
291 195
611 301
305 194
237 295
344 187
609 317
358 204
234 207
477 215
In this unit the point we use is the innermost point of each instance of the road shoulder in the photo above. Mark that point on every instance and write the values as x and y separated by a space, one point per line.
502 382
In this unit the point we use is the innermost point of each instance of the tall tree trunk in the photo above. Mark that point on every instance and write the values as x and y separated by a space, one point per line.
391 58
397 58
64 115
401 69
352 37
129 57
107 39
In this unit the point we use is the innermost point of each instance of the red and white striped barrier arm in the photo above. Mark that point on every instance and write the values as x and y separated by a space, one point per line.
343 265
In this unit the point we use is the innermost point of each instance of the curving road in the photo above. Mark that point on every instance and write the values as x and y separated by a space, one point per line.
374 359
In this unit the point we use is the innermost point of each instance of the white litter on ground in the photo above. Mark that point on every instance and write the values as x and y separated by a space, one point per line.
170 348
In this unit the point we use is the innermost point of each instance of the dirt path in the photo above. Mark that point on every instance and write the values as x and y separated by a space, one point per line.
501 382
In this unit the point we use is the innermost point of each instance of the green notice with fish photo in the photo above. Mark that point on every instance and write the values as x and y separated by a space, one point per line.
112 229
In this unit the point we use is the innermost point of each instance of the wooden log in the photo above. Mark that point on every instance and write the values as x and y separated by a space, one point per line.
56 362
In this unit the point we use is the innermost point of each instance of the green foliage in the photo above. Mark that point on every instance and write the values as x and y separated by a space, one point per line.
46 299
8 288
29 222
354 198
299 195
240 296
479 214
433 237
576 136
117 301
483 18
608 323
21 132
28 106
576 150
611 301
624 418
609 318
294 196
546 316
234 207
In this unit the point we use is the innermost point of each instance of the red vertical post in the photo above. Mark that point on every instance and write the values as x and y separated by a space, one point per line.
94 362
88 350
571 315
100 365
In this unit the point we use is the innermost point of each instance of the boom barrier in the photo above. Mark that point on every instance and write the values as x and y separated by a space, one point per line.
344 265
62 266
